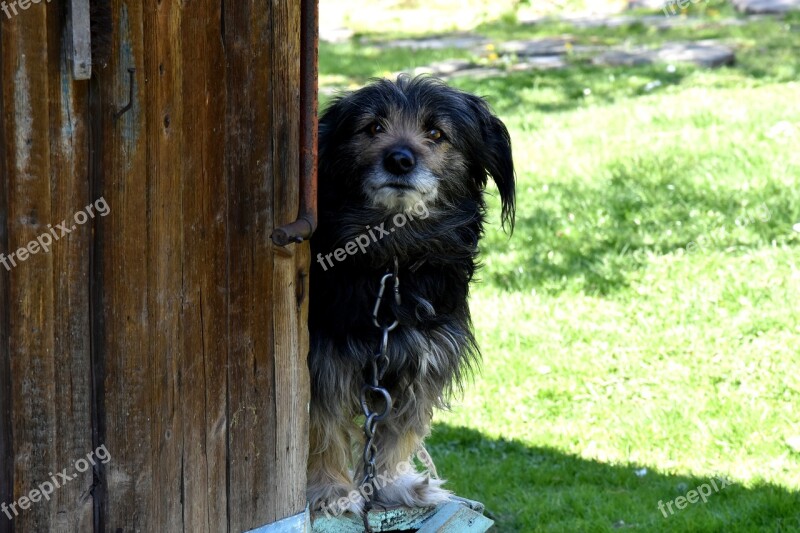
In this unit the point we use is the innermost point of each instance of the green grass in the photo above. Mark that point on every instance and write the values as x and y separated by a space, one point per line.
644 315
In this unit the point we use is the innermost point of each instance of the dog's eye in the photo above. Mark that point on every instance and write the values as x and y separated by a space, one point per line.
434 134
375 128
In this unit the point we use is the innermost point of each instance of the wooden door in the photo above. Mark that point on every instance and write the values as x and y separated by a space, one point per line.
165 328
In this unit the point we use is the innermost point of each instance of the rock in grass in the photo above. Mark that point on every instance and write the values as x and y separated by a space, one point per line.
647 4
537 47
702 53
623 58
765 7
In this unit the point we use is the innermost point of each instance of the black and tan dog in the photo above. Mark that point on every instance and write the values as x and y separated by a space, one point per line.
419 152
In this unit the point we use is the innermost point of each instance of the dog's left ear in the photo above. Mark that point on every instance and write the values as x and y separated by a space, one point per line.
496 159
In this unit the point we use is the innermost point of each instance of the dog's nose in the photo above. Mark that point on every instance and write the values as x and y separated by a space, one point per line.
399 161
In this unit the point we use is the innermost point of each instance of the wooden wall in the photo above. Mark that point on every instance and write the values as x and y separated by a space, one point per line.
171 330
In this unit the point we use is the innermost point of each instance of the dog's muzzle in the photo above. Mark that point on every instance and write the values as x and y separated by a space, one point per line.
399 161
400 181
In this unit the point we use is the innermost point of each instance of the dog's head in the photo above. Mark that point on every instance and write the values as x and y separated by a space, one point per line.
416 141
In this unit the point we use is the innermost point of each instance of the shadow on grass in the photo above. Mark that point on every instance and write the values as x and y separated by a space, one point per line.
528 489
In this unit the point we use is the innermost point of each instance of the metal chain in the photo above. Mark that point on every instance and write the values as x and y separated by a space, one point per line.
379 363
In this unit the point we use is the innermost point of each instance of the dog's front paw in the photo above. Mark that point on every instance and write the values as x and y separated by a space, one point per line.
413 490
335 499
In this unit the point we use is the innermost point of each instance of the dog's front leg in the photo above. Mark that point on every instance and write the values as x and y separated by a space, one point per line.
330 487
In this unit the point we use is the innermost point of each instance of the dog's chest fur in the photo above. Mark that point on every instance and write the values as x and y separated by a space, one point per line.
433 344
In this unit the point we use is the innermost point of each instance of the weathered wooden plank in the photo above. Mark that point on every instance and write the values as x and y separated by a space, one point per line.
32 393
6 446
79 45
123 324
299 523
251 372
162 103
290 268
205 269
44 152
456 518
71 201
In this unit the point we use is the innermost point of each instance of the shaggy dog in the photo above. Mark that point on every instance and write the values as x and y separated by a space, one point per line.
402 170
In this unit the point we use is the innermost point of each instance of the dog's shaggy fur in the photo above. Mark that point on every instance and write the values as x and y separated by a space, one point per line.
385 149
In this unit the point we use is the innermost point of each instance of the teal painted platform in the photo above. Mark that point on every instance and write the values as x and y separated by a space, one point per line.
459 515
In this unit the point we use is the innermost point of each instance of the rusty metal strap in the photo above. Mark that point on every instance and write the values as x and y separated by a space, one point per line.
302 228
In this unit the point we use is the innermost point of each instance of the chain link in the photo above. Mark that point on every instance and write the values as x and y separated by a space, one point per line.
372 389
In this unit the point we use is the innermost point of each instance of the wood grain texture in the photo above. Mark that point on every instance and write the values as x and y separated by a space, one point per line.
46 401
251 371
79 39
70 194
205 318
289 277
128 327
6 437
30 282
171 330
162 103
